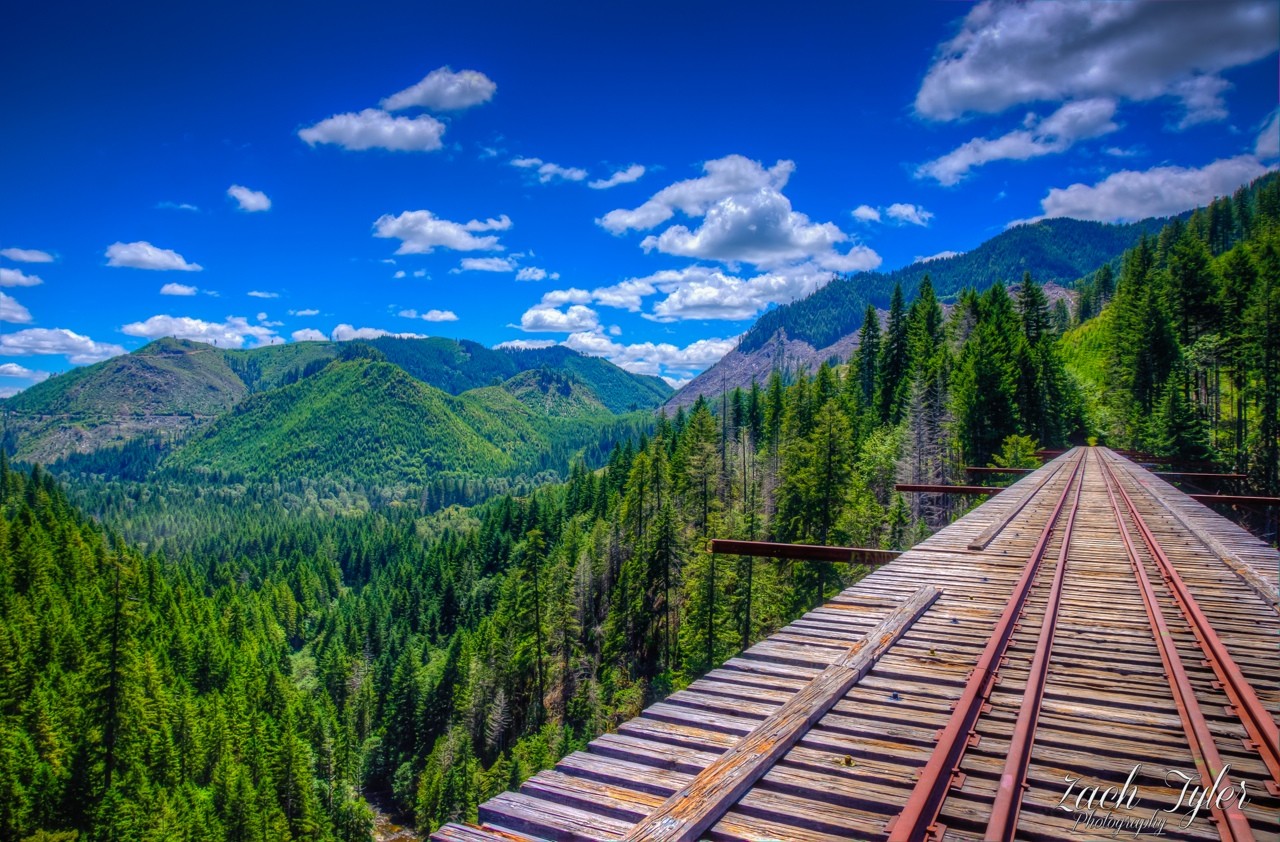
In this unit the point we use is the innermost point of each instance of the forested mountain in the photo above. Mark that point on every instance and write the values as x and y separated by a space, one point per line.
458 365
1179 351
822 326
171 386
371 420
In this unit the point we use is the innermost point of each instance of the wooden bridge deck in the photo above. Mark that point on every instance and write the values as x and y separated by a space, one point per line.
1034 674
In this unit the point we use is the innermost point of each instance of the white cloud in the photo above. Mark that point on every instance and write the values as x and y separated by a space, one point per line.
308 312
866 213
745 218
232 333
912 214
573 295
249 200
486 264
525 344
420 273
732 175
257 293
545 318
942 255
1130 195
702 292
1008 54
430 315
18 278
345 333
444 90
176 206
399 274
40 341
308 334
143 255
623 176
533 273
1268 144
27 255
548 171
421 232
652 358
1055 133
178 289
21 371
12 311
374 129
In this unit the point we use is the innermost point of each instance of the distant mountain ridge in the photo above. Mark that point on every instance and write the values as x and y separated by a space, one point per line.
824 325
171 386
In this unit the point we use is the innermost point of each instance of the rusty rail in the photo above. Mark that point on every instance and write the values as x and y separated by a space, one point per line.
919 817
948 489
1264 735
1003 823
803 552
1235 499
1231 822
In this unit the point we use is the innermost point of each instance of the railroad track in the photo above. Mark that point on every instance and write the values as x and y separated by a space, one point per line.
1085 637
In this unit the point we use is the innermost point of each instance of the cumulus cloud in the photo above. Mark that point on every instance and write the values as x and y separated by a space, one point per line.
143 255
745 218
525 344
26 255
1130 195
346 332
399 274
40 341
307 312
732 175
12 311
652 358
1057 132
623 176
232 333
1009 53
178 289
486 264
22 372
18 278
308 334
444 90
911 214
702 292
375 129
257 293
1268 144
533 273
249 200
421 232
866 213
430 315
546 318
548 171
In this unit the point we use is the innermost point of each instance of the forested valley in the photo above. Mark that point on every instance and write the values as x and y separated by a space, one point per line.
255 660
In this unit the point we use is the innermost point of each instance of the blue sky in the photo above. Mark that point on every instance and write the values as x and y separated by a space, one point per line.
638 182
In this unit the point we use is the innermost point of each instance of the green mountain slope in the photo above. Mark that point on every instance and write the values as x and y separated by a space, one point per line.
1059 250
546 392
458 365
359 419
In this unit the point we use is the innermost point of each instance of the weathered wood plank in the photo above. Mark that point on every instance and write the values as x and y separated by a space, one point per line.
686 815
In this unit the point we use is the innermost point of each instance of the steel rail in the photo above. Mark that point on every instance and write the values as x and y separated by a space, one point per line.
919 817
1264 735
1231 822
1003 823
